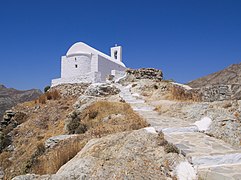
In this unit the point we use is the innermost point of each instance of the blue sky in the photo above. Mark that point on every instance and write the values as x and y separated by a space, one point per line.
186 39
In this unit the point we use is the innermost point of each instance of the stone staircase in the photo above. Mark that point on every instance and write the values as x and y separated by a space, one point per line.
213 158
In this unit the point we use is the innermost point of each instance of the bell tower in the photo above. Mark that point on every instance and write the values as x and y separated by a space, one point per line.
116 53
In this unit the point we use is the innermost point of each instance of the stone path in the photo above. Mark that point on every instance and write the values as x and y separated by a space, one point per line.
213 158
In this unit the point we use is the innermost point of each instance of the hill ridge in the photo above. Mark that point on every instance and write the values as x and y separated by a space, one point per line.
229 75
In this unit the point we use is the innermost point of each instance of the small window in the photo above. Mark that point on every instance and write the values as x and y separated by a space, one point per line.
115 54
76 66
75 58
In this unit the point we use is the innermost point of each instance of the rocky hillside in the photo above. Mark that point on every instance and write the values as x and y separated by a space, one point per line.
136 127
227 76
54 130
10 97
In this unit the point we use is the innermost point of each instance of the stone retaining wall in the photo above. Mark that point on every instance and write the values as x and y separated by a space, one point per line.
146 73
220 92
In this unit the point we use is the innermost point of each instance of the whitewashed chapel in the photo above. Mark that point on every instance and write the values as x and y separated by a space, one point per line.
83 63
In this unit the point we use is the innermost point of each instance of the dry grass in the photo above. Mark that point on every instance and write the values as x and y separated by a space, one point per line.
40 125
42 99
4 159
93 116
49 95
52 160
30 155
237 115
181 94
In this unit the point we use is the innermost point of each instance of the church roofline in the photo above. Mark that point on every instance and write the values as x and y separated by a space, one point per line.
78 47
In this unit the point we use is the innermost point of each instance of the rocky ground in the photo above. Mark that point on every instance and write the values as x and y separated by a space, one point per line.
55 130
221 85
225 115
229 75
198 129
141 127
128 155
9 97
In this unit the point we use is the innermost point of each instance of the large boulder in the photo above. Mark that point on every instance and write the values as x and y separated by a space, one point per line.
51 142
75 89
101 89
10 120
127 155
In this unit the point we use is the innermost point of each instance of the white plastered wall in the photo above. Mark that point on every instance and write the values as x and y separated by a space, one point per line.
105 66
75 65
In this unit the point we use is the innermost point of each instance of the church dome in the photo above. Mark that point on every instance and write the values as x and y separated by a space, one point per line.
79 48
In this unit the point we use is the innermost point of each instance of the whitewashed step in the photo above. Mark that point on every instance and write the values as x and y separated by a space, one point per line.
214 158
169 124
224 172
177 129
134 101
203 150
149 114
142 106
138 109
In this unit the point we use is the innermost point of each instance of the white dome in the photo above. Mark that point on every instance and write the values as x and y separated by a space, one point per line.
79 48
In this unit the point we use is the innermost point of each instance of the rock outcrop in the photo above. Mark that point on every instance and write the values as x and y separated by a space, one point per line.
10 120
75 89
146 73
101 89
9 97
220 92
118 156
51 142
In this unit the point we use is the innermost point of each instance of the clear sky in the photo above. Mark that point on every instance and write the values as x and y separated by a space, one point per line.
186 39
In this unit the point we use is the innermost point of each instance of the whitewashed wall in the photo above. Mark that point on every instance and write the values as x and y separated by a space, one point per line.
118 74
68 65
105 66
92 77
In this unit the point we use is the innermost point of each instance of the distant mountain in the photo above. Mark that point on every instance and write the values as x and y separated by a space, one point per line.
9 97
227 76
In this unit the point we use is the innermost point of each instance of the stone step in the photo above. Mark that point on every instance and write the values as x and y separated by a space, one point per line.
125 91
149 114
139 106
177 129
169 124
203 150
138 101
141 109
214 158
126 94
134 101
224 172
127 97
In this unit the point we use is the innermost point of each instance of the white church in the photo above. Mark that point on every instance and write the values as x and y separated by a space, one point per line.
83 63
